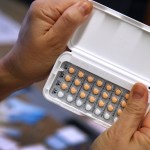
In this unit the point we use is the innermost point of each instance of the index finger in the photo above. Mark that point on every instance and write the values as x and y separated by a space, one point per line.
62 5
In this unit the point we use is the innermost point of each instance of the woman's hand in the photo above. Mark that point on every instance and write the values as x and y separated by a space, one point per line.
44 35
132 130
45 32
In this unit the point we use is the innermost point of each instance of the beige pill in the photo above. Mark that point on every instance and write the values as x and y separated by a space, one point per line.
126 96
86 86
92 99
119 112
118 91
80 74
108 87
73 90
82 95
95 91
77 82
71 70
105 95
110 108
114 99
90 79
101 103
64 86
99 83
67 78
123 104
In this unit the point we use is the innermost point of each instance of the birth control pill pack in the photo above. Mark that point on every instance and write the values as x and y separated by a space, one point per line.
109 53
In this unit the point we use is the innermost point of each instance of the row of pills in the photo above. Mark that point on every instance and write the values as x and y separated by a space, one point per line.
88 92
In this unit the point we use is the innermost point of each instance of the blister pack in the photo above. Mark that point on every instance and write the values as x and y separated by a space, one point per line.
109 54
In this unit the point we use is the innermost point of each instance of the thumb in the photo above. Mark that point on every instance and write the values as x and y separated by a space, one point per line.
134 112
71 19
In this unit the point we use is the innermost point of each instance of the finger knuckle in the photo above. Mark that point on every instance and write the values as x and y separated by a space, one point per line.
35 6
111 137
141 138
135 108
113 134
68 18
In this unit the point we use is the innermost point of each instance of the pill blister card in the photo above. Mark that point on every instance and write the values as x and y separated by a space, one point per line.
94 79
88 93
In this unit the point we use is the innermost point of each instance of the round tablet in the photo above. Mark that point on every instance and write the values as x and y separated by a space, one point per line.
119 112
92 99
73 90
88 107
105 95
80 74
68 78
118 91
97 111
90 79
123 103
101 103
115 119
108 87
86 86
110 108
126 96
71 70
77 82
114 99
82 95
60 94
106 116
79 102
64 86
95 91
69 98
99 83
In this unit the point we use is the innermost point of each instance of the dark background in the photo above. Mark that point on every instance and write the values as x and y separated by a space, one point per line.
133 8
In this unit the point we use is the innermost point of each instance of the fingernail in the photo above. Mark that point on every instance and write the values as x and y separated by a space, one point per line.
85 7
138 91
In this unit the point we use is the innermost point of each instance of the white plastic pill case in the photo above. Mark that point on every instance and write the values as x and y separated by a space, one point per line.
95 78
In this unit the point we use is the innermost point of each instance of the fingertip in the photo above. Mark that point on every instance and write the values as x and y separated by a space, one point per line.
139 91
139 85
87 7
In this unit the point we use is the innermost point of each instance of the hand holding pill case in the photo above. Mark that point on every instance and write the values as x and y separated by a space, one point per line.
109 53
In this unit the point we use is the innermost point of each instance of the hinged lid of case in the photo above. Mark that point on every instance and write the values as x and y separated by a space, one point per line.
116 39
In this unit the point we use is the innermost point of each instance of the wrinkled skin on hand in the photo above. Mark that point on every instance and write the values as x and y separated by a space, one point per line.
44 34
132 130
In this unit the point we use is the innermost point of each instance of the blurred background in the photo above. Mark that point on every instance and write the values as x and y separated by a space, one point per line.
27 120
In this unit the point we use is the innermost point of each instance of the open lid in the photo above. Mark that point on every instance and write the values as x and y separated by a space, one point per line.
116 39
